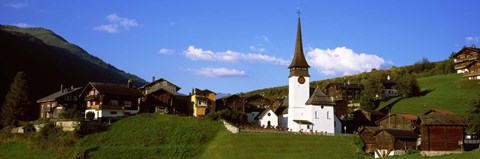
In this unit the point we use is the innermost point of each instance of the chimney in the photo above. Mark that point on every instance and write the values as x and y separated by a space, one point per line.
129 84
153 78
61 88
388 77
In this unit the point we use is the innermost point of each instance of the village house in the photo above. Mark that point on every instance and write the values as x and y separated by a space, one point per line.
399 121
158 96
366 134
267 118
255 105
233 102
391 142
111 101
363 117
466 62
344 91
442 134
53 105
389 85
202 101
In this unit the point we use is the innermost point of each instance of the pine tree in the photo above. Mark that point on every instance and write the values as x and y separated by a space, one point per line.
473 117
16 100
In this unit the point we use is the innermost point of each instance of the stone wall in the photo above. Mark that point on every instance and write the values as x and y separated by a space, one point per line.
438 153
231 127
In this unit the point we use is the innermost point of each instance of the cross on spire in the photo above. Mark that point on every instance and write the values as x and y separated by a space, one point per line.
298 12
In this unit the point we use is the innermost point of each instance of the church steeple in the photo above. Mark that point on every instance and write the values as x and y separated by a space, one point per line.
299 65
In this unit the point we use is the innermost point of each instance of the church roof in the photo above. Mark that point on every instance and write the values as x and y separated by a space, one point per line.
319 98
298 60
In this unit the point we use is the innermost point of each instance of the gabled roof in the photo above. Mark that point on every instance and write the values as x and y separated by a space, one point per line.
298 60
441 119
399 133
158 81
61 93
199 91
373 129
373 112
472 48
404 115
112 89
265 112
281 110
439 111
319 98
230 97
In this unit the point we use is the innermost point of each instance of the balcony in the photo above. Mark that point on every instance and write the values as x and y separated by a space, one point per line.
91 97
470 58
106 107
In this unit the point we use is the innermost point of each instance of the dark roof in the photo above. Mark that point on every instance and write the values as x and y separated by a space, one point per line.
285 102
304 122
158 81
260 115
281 110
348 86
319 98
373 112
399 133
440 111
373 129
390 82
229 97
199 91
472 48
113 89
61 93
257 96
408 116
441 119
298 60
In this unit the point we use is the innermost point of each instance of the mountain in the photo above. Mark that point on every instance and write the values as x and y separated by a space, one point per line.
50 61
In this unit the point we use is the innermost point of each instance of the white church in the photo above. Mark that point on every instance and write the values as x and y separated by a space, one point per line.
307 112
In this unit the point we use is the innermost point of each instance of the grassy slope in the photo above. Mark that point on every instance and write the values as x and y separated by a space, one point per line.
451 92
267 145
20 150
151 136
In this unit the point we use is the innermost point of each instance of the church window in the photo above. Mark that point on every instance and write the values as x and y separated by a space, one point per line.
328 114
316 116
268 115
308 126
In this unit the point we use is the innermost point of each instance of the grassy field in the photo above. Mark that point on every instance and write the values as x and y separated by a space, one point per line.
268 145
451 92
19 150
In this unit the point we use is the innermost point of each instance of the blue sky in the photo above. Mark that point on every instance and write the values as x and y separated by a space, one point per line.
238 46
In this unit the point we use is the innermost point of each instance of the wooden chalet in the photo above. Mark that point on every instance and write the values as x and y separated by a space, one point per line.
344 91
158 96
363 117
466 62
257 101
53 105
366 134
111 101
233 102
391 142
389 87
399 121
203 101
442 132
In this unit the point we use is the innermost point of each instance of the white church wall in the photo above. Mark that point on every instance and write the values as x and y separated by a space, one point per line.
298 94
271 117
323 118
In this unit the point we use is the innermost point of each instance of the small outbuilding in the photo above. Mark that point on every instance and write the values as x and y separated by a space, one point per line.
391 142
442 134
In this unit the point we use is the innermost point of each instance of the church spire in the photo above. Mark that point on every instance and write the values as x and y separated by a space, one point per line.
299 65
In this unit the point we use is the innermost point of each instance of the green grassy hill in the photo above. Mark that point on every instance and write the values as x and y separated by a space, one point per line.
451 92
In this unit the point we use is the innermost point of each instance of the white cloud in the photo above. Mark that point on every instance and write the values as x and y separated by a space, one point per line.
116 22
110 28
17 5
258 49
23 25
472 39
218 72
231 56
343 61
165 51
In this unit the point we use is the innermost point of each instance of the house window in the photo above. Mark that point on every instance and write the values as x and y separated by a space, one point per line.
127 103
75 98
68 98
88 104
113 113
114 102
328 114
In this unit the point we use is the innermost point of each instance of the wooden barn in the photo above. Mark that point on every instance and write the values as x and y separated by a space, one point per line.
366 134
391 142
441 133
399 121
439 111
364 117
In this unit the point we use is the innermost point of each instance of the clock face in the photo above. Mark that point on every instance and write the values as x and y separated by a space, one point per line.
301 79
